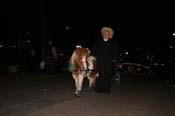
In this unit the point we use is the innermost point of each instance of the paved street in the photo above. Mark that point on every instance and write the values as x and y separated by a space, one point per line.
42 95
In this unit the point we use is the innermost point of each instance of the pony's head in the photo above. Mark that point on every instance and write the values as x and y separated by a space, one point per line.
78 60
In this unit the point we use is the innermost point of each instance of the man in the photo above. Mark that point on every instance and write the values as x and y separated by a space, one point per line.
106 51
50 57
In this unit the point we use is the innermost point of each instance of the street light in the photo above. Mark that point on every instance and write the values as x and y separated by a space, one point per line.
67 28
171 46
173 34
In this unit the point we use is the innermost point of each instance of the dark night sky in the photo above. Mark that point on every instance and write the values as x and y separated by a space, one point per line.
150 25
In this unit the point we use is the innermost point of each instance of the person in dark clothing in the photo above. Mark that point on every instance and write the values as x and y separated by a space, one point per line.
50 58
106 51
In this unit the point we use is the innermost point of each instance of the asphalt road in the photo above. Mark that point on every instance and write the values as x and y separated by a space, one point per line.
43 95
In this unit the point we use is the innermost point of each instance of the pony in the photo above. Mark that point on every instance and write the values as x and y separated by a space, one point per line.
81 65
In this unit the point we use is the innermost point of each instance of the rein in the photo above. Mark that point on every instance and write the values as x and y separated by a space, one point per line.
86 70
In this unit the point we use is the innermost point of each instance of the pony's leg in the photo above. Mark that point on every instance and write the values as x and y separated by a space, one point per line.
91 81
76 83
79 83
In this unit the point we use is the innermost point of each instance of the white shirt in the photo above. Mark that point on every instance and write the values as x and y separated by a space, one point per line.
105 39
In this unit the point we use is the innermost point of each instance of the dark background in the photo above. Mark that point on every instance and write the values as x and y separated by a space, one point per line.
145 25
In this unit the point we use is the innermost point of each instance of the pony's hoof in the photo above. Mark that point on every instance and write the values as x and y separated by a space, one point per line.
78 93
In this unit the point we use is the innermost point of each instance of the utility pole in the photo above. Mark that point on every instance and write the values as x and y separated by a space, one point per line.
43 24
19 45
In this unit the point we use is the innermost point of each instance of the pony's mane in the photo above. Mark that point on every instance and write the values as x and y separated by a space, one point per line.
78 53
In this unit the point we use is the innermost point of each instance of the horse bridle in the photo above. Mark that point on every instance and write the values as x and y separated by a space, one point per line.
87 64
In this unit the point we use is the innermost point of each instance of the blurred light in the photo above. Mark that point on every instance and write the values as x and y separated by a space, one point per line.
67 28
27 32
14 46
28 41
1 46
126 53
171 46
173 34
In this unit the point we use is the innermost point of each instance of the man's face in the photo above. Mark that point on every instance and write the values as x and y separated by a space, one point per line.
106 35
